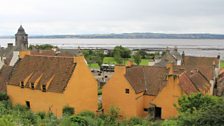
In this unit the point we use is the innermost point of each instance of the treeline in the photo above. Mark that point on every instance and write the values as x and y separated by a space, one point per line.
119 53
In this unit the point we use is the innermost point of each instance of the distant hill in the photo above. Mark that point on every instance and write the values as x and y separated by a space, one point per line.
132 36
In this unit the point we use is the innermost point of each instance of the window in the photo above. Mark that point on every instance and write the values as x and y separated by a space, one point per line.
22 84
44 88
32 85
127 91
28 104
146 109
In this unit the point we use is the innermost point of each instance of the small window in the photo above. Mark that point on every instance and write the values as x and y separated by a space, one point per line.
28 104
32 85
44 88
22 84
146 109
127 91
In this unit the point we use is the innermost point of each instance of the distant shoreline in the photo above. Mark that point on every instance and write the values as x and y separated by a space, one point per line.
127 36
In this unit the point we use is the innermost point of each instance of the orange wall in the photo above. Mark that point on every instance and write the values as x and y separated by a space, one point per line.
131 104
167 97
39 101
113 94
80 93
82 88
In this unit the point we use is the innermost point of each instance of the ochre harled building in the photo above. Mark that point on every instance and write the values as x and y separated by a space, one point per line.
151 90
49 83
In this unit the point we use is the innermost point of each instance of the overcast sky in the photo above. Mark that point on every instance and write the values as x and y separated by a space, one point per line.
42 17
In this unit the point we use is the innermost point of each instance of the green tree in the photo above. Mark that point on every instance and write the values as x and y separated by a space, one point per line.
124 52
137 58
196 102
199 110
117 57
142 53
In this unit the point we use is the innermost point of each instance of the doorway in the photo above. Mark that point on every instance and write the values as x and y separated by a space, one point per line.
28 104
158 112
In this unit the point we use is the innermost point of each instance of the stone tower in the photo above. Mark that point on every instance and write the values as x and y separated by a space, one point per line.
21 39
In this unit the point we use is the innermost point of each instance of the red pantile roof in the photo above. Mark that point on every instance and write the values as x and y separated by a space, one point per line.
186 84
47 66
150 79
194 82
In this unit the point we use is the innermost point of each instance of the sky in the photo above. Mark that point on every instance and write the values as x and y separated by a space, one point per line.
45 17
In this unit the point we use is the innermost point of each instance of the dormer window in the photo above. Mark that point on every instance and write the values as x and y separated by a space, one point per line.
44 88
32 85
22 84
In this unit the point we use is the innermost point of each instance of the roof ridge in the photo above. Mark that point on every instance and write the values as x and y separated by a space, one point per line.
49 56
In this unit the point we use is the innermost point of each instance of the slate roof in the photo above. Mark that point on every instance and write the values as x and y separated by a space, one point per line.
57 68
7 53
150 79
169 57
21 30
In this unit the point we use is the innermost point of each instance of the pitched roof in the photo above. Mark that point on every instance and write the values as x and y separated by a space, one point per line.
150 79
21 30
61 52
194 82
207 71
169 57
186 84
200 61
59 69
4 77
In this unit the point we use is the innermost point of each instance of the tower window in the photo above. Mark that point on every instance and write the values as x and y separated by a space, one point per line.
127 91
44 88
32 85
22 84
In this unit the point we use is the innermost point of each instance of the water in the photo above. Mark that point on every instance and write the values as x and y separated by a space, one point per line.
197 47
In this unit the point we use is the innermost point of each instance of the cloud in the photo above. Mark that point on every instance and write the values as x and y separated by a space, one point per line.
108 16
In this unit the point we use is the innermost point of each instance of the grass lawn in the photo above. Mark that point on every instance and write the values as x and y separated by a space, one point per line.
144 62
94 66
222 64
110 60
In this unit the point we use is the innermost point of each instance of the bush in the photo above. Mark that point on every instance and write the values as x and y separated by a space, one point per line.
79 120
111 118
137 121
20 108
3 96
68 110
199 110
100 92
41 115
7 120
87 114
170 123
